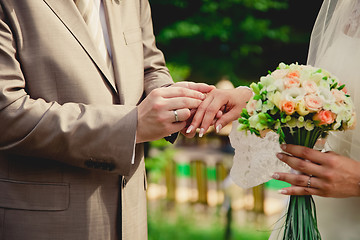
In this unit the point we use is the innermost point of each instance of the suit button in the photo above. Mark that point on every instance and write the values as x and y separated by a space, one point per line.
89 163
104 166
97 165
111 166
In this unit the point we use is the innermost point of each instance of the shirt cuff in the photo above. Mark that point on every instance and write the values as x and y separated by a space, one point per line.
133 155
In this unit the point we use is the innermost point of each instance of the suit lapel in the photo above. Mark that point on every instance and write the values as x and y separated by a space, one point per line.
68 14
112 8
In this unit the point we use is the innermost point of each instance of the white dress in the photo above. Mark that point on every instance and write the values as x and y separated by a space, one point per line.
334 46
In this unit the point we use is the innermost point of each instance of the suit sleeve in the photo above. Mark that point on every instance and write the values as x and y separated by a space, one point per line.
156 73
87 136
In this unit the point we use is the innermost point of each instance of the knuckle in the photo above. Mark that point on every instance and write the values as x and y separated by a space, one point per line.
327 175
182 91
187 113
301 165
185 101
158 106
331 160
307 191
160 118
299 181
306 153
156 92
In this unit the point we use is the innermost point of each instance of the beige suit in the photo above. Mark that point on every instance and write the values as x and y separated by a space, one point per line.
67 128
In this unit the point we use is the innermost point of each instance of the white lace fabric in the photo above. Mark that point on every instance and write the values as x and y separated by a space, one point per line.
255 158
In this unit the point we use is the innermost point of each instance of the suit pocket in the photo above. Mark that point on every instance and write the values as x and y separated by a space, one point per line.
34 195
133 36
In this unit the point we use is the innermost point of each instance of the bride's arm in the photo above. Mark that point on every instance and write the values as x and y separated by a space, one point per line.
229 101
332 175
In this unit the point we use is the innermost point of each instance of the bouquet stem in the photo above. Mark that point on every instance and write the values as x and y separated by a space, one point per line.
301 221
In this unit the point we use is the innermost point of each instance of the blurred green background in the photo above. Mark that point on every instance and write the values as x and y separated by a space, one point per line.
190 196
206 40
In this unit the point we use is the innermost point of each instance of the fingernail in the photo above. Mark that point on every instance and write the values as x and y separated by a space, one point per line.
201 133
283 147
218 128
202 96
190 128
279 156
282 191
275 176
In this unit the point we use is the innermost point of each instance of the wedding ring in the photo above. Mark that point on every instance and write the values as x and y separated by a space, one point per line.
309 182
176 116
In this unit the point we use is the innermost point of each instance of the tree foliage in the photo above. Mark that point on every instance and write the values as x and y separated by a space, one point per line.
207 40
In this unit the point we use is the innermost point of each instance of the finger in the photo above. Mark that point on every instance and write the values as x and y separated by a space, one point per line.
179 115
299 180
301 165
177 127
294 190
226 119
198 117
172 92
219 114
210 114
201 87
305 153
188 135
181 102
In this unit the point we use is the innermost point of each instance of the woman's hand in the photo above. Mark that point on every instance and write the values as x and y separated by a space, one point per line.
220 107
325 174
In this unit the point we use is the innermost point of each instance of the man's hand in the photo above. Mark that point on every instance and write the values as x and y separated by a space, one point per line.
156 116
201 87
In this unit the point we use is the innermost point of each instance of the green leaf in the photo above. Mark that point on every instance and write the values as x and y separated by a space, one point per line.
334 85
257 97
244 113
341 87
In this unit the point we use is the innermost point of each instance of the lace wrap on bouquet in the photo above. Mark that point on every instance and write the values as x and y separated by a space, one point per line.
255 158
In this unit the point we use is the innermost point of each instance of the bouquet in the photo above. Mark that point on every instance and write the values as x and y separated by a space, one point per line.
301 104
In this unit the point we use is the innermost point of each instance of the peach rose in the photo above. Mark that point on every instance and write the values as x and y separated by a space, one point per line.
339 95
294 74
325 117
313 103
287 106
291 82
309 86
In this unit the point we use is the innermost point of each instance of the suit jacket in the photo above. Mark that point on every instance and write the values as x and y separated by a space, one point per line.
67 126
